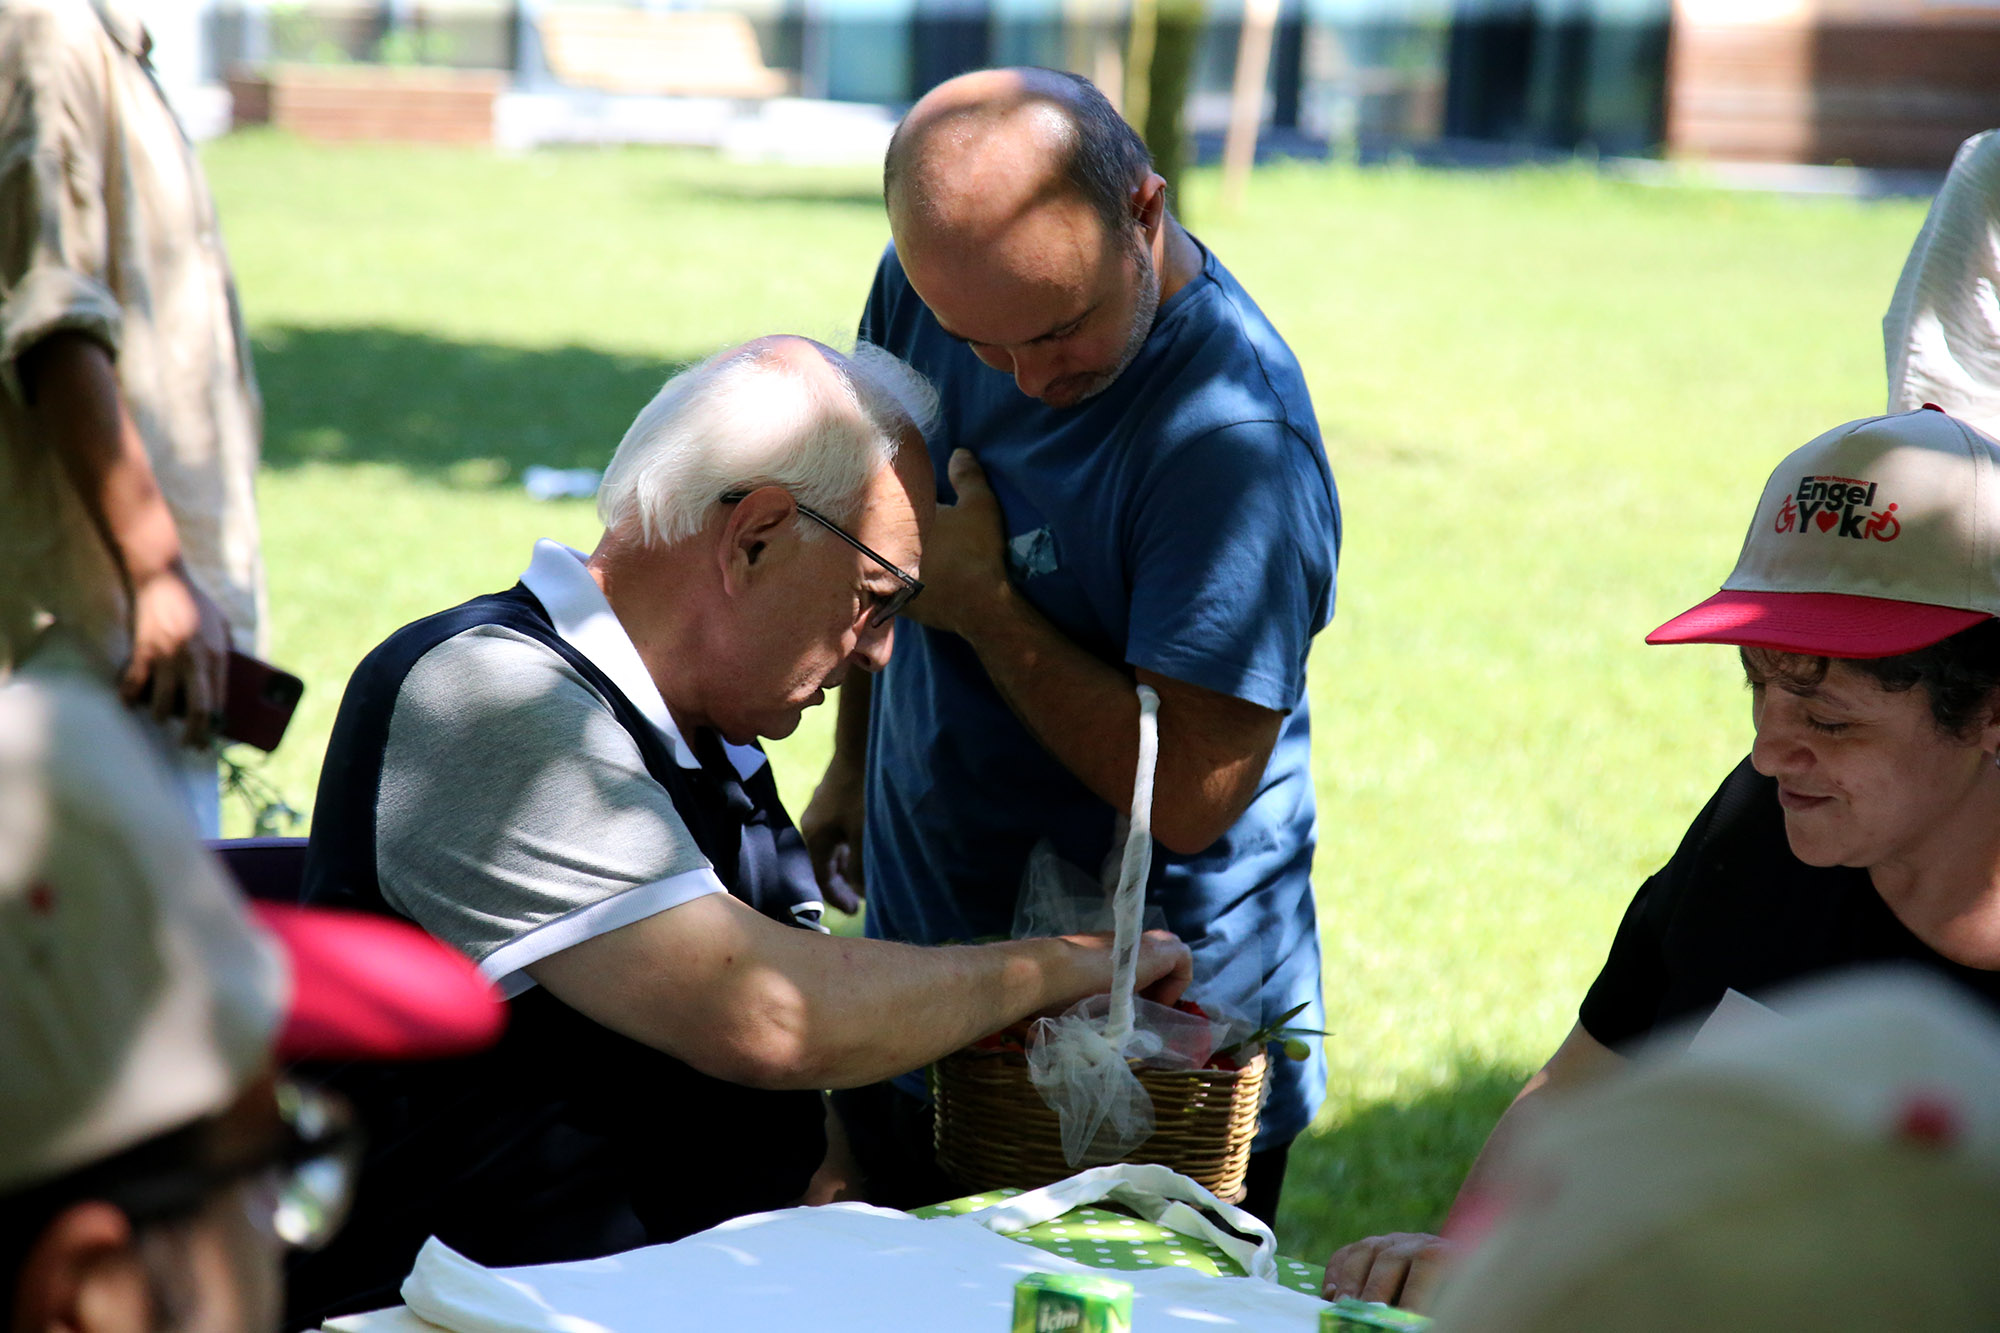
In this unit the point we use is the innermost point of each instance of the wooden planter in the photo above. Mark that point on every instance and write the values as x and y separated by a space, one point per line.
1878 83
418 104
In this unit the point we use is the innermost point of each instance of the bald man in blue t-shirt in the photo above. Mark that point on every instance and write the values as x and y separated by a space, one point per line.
1147 500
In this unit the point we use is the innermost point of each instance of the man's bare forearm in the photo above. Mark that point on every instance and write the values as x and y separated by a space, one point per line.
1083 710
880 1009
746 999
79 415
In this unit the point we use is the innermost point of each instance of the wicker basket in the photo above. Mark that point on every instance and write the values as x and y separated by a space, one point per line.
994 1129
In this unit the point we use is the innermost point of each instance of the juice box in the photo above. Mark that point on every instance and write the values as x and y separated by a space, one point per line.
1072 1303
1348 1315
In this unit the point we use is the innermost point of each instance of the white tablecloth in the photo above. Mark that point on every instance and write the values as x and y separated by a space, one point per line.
833 1269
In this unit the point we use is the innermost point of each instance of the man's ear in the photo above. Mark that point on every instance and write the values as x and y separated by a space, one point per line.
1149 205
83 1274
758 524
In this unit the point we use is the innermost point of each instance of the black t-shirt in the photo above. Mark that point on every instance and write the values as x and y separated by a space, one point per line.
1735 910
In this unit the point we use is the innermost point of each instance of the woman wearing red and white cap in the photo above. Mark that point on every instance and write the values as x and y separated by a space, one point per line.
154 1163
1864 826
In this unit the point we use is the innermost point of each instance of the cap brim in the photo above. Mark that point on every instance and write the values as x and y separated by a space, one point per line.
1823 624
367 988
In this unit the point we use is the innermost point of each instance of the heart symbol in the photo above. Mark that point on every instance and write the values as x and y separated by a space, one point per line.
1826 520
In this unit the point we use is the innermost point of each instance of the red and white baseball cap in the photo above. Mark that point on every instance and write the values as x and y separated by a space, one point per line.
1880 537
138 990
1835 1166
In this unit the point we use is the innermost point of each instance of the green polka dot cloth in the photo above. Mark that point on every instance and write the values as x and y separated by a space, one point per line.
1103 1239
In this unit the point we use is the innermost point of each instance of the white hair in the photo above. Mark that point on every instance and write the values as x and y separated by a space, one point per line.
753 417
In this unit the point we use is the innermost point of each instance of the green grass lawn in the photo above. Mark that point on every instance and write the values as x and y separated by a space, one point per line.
1548 399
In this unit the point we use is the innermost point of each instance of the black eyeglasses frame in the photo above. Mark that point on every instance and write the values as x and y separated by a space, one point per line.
312 1162
897 600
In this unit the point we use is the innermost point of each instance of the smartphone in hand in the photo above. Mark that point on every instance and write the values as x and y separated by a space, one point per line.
257 702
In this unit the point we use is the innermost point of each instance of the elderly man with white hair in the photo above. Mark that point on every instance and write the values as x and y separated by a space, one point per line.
563 781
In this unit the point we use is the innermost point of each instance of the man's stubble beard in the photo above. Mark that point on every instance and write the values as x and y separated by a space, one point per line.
1144 311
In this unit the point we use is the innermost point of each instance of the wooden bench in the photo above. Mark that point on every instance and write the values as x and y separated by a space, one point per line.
679 52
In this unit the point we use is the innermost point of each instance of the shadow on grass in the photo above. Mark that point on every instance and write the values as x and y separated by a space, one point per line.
1392 1166
472 414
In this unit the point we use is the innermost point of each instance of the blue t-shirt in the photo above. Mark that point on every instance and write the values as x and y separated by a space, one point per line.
1184 520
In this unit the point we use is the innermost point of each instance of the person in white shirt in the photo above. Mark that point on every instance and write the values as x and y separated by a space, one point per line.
1941 335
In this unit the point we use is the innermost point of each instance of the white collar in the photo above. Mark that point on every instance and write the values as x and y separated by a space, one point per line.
576 605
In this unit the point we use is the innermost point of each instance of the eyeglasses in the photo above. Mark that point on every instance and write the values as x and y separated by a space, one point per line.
306 1179
313 1182
890 606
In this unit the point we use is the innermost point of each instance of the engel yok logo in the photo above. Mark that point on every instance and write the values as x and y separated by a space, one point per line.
1840 506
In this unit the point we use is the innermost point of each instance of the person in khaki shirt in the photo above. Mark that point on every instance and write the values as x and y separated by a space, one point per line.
129 430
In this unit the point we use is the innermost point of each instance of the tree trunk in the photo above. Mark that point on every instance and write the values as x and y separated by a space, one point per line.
1166 35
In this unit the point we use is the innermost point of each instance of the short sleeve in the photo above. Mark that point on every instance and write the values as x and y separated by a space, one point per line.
882 296
515 815
54 227
1663 954
1625 1000
1234 558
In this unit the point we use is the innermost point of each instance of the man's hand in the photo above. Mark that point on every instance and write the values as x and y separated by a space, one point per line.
180 639
839 1178
831 827
965 566
1403 1268
1165 965
180 647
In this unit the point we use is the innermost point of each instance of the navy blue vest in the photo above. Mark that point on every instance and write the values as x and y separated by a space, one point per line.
567 1140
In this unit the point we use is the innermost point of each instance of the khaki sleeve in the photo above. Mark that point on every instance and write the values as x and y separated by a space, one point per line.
54 211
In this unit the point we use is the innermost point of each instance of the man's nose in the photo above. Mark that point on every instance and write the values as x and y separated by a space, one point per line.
1034 371
872 649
